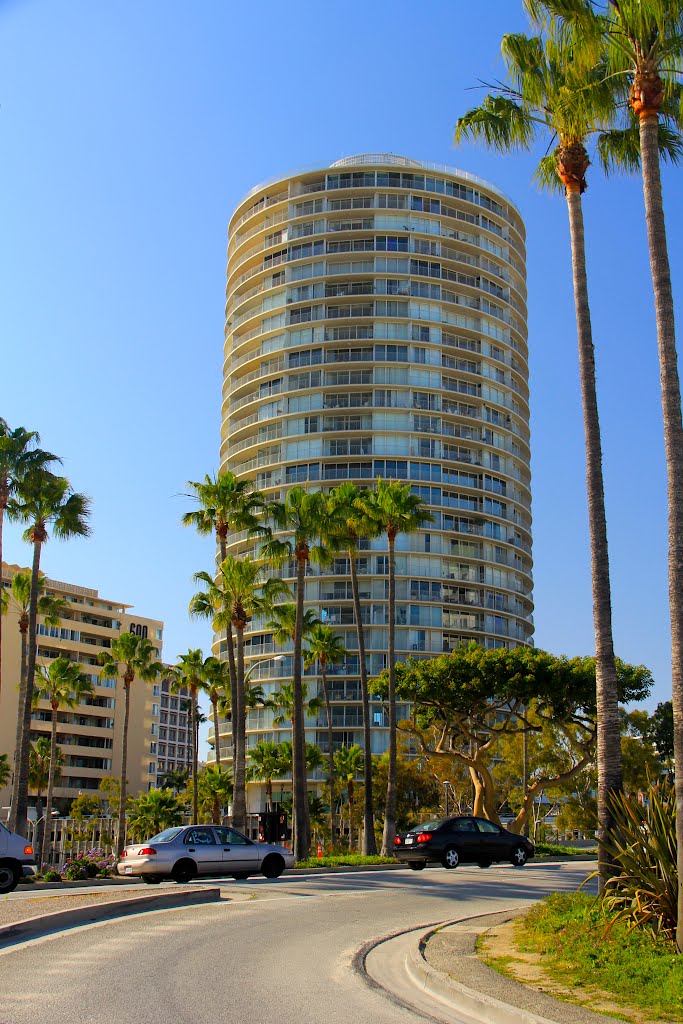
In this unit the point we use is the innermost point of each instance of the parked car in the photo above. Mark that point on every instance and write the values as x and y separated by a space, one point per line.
453 841
192 851
17 860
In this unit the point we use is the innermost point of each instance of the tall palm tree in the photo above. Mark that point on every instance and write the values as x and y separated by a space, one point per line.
396 510
302 519
50 608
225 504
19 457
188 674
349 511
643 43
217 684
240 591
543 96
327 648
267 763
349 764
40 768
63 685
130 657
46 502
282 623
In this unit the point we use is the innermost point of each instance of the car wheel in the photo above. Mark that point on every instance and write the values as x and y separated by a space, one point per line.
416 865
240 875
184 871
519 857
151 879
484 863
273 866
9 877
451 857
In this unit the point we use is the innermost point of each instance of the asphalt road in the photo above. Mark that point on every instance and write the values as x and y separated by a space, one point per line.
279 951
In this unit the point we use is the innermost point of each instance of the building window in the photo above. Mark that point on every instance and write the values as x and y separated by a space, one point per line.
156 710
152 768
153 747
156 690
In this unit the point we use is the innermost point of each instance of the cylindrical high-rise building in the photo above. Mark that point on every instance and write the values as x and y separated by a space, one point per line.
376 327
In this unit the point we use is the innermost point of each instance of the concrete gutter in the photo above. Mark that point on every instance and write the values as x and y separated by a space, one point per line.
47 924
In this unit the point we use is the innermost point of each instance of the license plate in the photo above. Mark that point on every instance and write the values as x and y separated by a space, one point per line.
409 840
128 871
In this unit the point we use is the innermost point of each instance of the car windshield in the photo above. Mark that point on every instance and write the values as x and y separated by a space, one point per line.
429 826
166 836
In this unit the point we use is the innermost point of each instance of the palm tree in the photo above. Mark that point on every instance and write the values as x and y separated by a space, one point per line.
43 501
283 623
302 518
327 648
151 813
51 608
19 457
396 510
39 772
349 504
349 764
240 591
174 779
285 699
216 677
64 685
225 504
215 791
189 674
267 763
130 657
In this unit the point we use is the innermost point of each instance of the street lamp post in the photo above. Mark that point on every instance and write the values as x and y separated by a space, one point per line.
445 790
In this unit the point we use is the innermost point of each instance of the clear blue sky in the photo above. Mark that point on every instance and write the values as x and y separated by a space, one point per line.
128 132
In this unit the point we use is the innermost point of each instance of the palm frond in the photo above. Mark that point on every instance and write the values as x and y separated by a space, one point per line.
546 175
501 123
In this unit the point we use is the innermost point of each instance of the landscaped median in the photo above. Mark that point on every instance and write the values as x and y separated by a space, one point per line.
24 919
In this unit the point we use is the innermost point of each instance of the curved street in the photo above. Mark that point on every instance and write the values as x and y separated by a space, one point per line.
278 950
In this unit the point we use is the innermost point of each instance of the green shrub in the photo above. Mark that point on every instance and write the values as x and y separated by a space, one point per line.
343 860
555 850
642 843
51 876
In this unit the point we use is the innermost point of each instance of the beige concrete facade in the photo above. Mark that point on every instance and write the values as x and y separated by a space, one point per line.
89 735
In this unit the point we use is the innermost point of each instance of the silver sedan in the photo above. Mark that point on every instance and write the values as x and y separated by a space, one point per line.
192 851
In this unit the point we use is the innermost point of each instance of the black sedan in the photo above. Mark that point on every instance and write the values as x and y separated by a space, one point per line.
463 840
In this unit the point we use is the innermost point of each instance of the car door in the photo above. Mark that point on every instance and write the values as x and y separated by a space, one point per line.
495 841
201 845
238 853
463 833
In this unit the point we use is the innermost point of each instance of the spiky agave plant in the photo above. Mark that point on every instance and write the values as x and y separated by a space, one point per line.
643 844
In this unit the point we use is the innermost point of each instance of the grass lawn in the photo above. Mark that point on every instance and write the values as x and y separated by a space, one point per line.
554 850
567 932
335 860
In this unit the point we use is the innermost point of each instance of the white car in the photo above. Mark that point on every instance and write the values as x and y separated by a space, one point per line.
187 852
17 860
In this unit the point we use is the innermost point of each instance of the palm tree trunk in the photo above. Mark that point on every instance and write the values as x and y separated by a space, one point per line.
239 798
195 794
121 838
607 691
23 628
18 816
389 832
369 841
330 753
350 792
673 446
3 502
269 794
47 832
40 830
302 840
217 745
222 543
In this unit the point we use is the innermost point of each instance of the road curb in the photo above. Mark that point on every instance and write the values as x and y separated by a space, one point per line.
46 924
478 1005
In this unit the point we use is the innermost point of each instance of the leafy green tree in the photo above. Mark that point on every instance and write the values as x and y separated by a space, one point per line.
349 513
40 778
395 510
214 784
130 657
327 648
662 731
44 502
348 762
110 790
63 685
150 813
467 701
302 519
19 457
225 504
418 790
268 763
85 805
5 770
